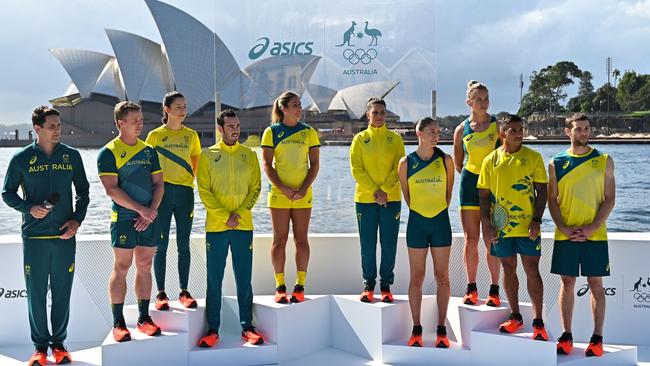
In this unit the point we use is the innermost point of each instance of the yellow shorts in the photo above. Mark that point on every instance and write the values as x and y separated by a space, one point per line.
276 199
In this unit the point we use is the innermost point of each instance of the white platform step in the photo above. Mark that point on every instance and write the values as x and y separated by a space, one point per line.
614 356
82 353
231 350
145 350
397 352
297 329
483 317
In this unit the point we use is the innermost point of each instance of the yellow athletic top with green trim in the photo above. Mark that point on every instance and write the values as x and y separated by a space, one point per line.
510 178
427 183
291 147
581 190
229 181
374 156
176 148
477 145
133 165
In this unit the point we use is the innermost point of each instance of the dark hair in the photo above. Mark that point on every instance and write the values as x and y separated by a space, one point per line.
375 101
579 116
422 123
221 117
168 100
123 108
282 101
508 119
40 112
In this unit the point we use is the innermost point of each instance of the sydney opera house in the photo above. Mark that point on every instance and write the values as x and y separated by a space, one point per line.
194 60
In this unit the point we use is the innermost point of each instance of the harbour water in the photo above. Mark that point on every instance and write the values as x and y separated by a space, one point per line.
333 210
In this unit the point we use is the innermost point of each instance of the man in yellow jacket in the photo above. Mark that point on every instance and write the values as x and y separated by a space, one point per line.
229 184
374 156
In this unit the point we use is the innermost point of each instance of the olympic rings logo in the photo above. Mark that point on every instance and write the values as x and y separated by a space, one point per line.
642 296
360 55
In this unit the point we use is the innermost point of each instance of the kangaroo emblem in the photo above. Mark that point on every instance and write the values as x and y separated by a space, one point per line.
346 36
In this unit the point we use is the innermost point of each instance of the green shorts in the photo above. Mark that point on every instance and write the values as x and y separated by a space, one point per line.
468 191
425 232
507 247
123 235
589 259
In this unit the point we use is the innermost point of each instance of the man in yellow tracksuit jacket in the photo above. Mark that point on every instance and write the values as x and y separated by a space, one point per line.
229 184
374 156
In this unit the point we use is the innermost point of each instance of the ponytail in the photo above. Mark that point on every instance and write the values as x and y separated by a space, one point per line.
282 101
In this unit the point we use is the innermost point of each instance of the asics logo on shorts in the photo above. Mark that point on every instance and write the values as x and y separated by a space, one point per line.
71 268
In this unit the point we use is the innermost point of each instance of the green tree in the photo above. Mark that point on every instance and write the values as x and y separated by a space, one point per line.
631 94
616 73
546 90
599 101
582 102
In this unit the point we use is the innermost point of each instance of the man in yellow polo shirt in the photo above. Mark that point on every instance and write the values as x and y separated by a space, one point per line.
512 197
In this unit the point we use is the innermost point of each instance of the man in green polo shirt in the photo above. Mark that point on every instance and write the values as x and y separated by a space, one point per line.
45 171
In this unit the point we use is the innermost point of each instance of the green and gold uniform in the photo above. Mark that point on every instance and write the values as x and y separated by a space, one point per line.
291 147
229 182
176 149
46 257
510 180
374 156
579 203
428 224
476 145
133 165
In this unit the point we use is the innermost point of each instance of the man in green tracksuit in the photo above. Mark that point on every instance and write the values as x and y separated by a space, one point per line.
46 170
229 183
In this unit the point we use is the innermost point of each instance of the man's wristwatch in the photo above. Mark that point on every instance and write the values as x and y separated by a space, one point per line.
537 219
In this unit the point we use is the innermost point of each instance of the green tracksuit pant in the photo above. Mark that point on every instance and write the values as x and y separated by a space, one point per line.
241 247
370 217
178 201
48 262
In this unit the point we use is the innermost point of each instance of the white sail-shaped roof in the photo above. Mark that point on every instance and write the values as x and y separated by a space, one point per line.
277 74
110 82
194 52
84 67
355 98
321 96
141 65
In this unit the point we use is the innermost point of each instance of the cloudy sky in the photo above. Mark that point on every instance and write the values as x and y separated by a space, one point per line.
492 41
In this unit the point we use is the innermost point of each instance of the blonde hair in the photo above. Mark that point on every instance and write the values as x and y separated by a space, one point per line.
473 86
282 101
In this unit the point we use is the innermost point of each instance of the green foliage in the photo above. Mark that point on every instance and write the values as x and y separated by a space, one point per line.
546 90
599 101
633 92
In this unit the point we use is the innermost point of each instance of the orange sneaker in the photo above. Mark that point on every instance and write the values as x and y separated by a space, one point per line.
186 299
493 300
251 336
539 333
442 341
281 295
565 344
595 347
121 333
210 339
39 358
471 298
511 325
61 355
415 340
367 294
162 301
298 294
148 327
386 295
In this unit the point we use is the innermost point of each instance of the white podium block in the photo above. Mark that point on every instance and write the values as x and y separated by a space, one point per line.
297 329
483 317
362 328
231 350
397 352
491 347
166 349
613 355
177 319
82 353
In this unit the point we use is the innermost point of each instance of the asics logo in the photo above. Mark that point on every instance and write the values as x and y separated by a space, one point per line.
416 164
367 140
123 154
165 138
566 164
281 134
32 160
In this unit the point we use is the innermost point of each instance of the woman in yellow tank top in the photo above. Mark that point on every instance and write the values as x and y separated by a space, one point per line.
427 178
474 139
